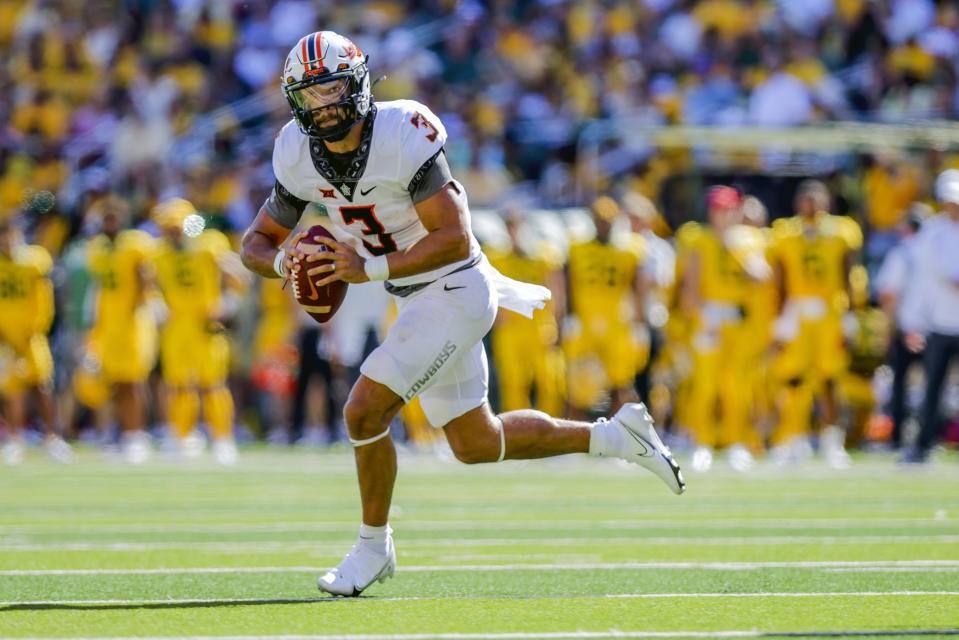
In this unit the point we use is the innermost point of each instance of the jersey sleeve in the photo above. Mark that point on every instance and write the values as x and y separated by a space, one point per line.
687 237
215 243
286 202
851 233
38 259
421 137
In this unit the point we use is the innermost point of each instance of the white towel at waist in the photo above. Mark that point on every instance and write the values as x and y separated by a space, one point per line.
521 297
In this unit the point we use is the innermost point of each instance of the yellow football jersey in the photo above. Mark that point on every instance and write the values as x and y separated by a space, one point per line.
115 266
722 277
26 294
813 255
534 268
601 275
190 277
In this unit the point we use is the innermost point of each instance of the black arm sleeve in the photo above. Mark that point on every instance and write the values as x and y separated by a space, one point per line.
430 178
284 207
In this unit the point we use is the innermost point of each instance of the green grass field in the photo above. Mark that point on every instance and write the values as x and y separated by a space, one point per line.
569 548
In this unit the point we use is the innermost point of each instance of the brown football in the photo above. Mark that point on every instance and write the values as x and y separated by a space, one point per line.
320 302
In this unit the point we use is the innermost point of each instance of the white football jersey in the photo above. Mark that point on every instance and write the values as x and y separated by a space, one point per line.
370 204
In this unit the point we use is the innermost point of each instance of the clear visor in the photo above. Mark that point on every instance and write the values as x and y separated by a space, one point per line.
320 95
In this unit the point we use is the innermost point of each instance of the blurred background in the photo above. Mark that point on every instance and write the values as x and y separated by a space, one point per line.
594 140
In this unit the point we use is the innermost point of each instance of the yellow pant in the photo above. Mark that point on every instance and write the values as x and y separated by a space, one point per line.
28 365
124 352
815 356
718 396
526 359
192 356
613 343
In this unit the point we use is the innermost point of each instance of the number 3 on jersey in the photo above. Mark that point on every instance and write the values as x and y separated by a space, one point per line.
373 228
418 120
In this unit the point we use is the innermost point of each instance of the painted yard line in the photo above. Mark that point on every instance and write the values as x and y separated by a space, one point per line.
555 635
722 566
642 596
457 525
288 545
896 570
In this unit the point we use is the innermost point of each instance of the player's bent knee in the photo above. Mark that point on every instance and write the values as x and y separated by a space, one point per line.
362 420
476 453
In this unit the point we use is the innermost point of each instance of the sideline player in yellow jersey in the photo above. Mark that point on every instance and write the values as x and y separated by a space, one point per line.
121 345
191 264
26 313
812 254
762 305
721 259
525 350
605 302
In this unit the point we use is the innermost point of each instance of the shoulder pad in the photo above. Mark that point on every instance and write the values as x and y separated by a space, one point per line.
290 151
416 132
214 241
136 240
36 257
688 234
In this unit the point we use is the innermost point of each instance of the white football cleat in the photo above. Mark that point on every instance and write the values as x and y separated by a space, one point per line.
224 451
740 458
58 449
135 447
702 460
13 451
361 567
641 444
832 442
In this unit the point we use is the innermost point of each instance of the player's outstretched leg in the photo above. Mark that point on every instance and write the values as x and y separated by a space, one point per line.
630 435
372 558
368 413
479 436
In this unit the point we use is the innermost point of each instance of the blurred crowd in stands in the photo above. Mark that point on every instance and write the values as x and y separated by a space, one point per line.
152 100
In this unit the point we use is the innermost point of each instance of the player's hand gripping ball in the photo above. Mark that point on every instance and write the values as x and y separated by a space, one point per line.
320 301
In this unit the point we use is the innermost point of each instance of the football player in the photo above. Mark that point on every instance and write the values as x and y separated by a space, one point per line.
721 258
525 350
26 313
191 265
398 215
812 254
605 310
120 348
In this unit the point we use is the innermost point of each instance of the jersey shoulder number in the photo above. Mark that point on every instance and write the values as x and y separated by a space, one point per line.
413 130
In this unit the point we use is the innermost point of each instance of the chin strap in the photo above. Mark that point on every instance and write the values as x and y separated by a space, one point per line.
361 443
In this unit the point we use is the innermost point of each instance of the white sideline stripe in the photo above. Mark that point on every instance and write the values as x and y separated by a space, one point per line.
642 596
447 525
895 570
865 565
262 545
573 635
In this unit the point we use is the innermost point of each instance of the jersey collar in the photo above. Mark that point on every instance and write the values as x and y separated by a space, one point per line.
345 181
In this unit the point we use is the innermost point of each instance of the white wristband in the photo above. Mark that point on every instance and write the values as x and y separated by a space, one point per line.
377 268
278 263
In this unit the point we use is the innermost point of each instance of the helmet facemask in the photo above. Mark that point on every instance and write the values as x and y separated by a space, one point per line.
327 105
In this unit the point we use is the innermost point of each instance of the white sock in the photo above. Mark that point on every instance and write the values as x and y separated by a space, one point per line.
605 439
375 537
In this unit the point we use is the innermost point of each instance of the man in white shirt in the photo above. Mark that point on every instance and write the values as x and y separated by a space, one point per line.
902 303
937 274
380 171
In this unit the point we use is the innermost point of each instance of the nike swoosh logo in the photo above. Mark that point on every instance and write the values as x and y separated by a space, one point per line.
314 294
641 441
363 193
446 287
